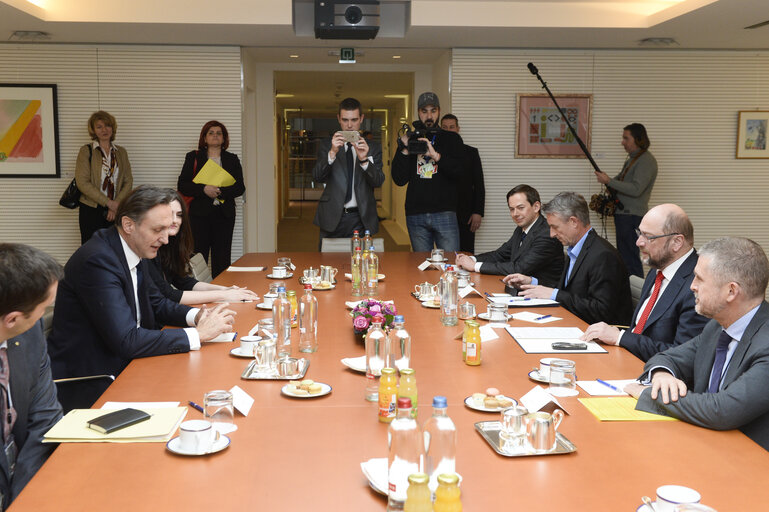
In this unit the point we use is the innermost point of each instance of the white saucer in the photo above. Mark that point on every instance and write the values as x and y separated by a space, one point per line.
644 508
563 392
485 316
431 305
237 353
437 261
316 288
174 445
471 404
262 305
326 389
287 276
380 277
357 364
534 375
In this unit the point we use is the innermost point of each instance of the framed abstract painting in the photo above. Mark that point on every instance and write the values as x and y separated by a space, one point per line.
29 138
751 134
542 131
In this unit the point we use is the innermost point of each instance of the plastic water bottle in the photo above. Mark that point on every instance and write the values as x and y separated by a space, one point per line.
368 243
399 349
376 341
440 436
357 272
449 296
371 272
281 321
308 321
405 454
354 241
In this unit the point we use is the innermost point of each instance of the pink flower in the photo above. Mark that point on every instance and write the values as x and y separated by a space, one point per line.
360 322
375 308
378 318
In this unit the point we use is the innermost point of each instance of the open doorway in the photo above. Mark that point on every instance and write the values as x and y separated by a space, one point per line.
306 112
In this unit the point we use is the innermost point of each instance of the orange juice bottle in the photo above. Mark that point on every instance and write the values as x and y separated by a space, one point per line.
447 494
418 497
471 339
291 296
388 395
408 388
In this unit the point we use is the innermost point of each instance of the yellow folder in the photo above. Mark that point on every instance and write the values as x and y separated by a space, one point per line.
619 408
73 428
213 174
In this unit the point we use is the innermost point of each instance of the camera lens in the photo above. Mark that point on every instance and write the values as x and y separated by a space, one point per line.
353 15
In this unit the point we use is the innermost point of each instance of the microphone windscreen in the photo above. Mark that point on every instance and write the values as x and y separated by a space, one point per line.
532 68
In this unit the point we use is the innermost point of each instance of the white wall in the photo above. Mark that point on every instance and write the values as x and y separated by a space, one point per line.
688 101
160 96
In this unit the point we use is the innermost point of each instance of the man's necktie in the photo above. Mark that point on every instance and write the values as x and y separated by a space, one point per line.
639 328
7 413
350 168
722 347
523 237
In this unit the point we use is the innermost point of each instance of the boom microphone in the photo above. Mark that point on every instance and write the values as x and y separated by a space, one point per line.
532 68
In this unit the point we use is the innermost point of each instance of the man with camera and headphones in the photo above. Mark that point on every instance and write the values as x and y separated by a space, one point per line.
429 160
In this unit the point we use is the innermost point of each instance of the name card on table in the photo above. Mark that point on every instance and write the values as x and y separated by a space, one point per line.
540 400
467 290
241 400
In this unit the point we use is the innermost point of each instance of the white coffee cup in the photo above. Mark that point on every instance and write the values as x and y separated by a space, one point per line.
267 301
544 367
248 344
279 271
670 496
197 436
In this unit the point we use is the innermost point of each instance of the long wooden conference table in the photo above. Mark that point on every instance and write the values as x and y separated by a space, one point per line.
292 454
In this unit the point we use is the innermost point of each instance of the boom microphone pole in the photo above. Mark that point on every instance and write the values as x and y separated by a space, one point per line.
535 72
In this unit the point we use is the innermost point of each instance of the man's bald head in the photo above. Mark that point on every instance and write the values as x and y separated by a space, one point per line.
671 233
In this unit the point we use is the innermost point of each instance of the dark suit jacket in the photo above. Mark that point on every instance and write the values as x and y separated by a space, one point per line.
673 319
201 204
598 289
539 255
331 203
471 190
742 402
34 398
94 322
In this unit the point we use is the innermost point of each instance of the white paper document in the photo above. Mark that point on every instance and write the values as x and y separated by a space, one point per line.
548 333
487 333
535 318
595 388
224 337
244 269
519 302
543 345
139 405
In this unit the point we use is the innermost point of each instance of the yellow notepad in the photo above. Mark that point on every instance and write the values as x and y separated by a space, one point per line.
72 428
213 174
619 408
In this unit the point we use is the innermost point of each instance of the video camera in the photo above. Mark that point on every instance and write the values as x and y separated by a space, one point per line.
420 131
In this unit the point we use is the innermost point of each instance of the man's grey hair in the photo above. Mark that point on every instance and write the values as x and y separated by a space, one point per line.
568 204
740 260
678 223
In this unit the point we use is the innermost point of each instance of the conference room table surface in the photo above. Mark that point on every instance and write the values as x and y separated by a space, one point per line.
305 454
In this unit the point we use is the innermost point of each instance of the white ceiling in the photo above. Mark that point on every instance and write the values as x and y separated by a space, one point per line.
434 24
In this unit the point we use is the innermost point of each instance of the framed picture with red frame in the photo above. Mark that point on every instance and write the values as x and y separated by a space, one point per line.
542 131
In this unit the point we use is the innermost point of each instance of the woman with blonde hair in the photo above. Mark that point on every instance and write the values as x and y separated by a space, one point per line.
103 175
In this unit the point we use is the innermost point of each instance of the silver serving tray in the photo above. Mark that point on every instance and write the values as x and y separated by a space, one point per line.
250 372
489 430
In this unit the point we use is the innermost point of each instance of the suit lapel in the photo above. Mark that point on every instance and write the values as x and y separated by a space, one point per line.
515 242
113 240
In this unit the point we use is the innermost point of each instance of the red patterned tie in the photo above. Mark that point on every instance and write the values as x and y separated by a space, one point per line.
638 329
8 414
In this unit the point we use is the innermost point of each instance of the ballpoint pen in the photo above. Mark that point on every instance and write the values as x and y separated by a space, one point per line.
543 317
196 406
615 388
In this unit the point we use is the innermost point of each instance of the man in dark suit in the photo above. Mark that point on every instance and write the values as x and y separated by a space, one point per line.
665 315
351 172
107 306
719 379
594 284
530 251
471 196
28 281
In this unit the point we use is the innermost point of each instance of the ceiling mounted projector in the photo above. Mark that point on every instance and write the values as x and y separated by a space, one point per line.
345 20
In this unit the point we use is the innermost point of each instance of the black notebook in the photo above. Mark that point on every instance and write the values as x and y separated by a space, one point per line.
116 420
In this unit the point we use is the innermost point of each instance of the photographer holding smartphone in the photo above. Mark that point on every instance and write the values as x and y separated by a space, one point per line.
351 168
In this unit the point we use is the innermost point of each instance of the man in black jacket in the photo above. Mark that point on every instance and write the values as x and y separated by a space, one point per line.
530 251
431 198
594 285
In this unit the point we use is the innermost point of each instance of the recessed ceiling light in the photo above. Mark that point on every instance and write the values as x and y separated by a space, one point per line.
396 56
284 95
294 56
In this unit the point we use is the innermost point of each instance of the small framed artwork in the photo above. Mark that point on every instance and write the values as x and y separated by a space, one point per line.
751 134
542 131
29 138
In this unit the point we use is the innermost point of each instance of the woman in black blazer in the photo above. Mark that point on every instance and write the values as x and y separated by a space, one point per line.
212 209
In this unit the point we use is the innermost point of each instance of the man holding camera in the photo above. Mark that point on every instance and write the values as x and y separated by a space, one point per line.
429 160
351 168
